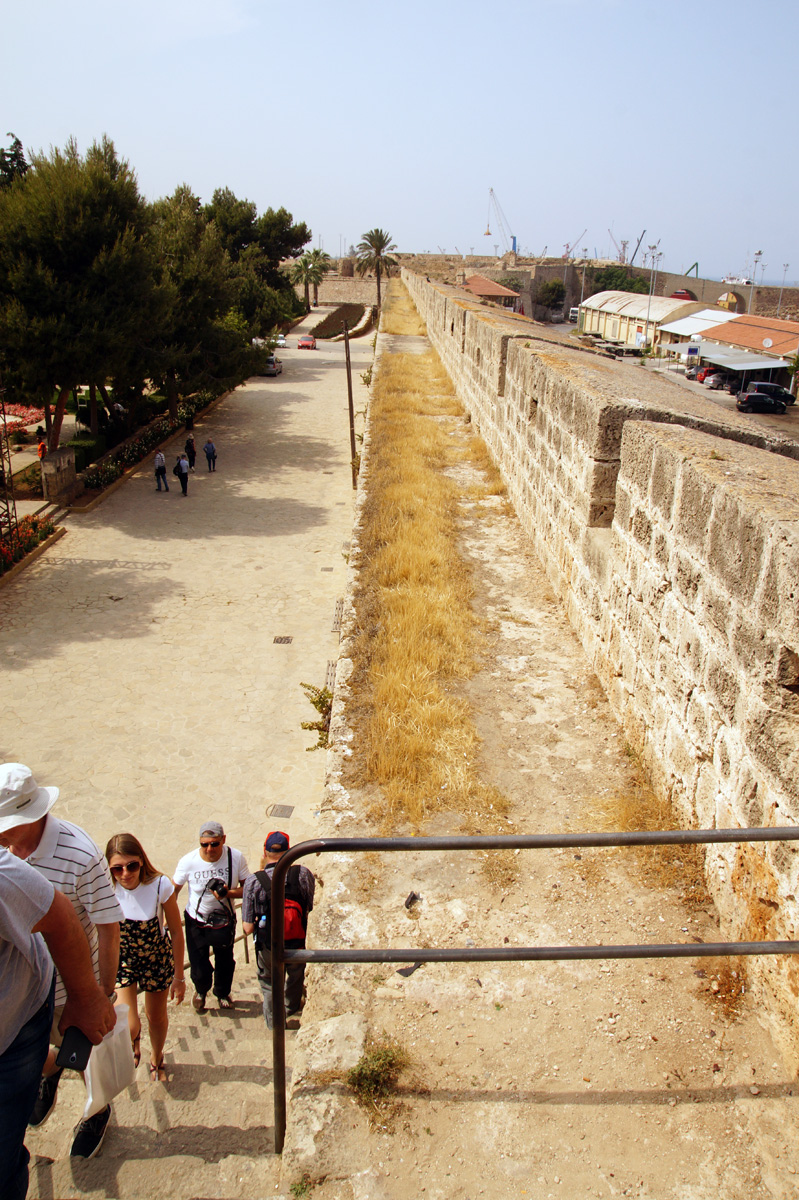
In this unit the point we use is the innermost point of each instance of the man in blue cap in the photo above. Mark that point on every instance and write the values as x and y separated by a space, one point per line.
256 916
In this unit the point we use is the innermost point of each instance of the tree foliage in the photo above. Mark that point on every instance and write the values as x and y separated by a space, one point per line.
77 290
374 254
551 294
617 279
12 162
98 286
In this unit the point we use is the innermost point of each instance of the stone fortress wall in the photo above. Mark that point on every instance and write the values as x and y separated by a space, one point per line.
670 531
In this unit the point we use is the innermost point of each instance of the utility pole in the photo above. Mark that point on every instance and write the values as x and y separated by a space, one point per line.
758 257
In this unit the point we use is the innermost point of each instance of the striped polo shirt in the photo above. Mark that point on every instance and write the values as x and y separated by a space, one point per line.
68 857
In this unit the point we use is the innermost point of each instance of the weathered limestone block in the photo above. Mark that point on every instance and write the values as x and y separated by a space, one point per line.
319 1140
735 545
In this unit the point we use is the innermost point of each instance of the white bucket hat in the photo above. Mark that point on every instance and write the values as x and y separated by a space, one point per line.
22 801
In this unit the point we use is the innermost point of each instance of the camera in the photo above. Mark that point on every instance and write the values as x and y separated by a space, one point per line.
219 886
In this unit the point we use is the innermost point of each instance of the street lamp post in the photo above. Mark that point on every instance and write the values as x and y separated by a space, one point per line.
782 285
651 250
758 257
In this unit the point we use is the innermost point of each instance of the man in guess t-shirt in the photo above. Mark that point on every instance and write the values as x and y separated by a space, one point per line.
215 874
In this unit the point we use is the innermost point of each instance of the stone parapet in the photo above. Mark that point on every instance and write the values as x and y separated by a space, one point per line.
670 530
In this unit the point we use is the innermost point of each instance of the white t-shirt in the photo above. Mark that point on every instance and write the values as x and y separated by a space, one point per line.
68 857
141 903
195 871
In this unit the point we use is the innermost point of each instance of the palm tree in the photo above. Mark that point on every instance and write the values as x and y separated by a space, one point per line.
373 255
323 261
307 270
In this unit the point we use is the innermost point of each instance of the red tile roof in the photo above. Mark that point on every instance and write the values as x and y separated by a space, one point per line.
752 333
480 286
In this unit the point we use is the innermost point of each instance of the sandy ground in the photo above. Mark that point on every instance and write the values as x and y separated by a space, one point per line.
553 1079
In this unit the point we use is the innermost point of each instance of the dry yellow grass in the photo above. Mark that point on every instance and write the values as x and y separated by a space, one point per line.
417 632
637 807
399 314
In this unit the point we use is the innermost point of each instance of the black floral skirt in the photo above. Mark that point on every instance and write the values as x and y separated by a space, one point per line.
145 956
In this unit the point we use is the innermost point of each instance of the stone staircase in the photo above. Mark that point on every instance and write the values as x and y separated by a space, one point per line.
207 1133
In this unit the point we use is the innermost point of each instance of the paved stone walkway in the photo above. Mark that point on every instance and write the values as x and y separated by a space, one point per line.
140 674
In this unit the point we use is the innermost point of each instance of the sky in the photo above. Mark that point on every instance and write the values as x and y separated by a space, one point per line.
675 118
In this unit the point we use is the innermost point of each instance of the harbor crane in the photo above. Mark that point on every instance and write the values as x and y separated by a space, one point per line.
621 250
508 239
567 249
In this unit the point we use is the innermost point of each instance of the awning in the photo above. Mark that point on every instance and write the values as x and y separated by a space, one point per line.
680 347
739 360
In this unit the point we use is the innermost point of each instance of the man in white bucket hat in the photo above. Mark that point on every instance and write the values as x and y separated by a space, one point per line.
66 855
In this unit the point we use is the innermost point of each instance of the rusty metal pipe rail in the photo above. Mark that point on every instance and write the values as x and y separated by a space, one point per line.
674 837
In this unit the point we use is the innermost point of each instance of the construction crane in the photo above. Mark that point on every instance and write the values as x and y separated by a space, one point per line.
637 244
567 249
508 239
621 250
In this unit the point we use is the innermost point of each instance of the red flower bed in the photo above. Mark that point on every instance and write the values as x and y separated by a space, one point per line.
25 413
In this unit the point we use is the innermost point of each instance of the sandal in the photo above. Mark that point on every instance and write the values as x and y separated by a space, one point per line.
136 1043
158 1072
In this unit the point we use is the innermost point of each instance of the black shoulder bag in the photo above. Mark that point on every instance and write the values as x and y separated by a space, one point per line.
220 928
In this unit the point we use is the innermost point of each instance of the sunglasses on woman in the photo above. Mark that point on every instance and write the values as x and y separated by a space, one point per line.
128 867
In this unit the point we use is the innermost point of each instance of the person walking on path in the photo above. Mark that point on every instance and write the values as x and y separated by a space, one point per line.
210 453
214 873
29 907
191 451
256 917
160 471
151 945
65 855
181 469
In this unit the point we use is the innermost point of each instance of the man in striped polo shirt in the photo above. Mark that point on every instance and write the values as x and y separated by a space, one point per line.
68 857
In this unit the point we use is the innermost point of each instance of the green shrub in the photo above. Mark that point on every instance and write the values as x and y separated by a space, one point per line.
87 448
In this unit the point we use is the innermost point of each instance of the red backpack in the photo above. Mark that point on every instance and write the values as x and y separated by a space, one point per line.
295 914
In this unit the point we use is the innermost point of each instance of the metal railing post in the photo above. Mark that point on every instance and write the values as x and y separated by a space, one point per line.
672 837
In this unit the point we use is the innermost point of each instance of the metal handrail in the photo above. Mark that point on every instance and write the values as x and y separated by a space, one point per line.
676 837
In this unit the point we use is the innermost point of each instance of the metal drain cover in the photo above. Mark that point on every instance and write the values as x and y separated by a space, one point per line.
283 811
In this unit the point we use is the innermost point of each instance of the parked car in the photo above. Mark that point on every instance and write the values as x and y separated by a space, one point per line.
273 366
280 342
306 342
703 372
760 402
715 382
692 372
772 389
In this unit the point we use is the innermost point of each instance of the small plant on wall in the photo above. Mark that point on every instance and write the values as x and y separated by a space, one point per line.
322 700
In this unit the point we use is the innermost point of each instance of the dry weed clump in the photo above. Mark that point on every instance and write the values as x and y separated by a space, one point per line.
417 632
638 808
399 315
375 1076
724 984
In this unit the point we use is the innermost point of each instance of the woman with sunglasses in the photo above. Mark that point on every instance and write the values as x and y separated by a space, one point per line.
151 945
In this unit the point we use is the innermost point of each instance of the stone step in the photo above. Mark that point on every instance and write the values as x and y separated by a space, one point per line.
208 1132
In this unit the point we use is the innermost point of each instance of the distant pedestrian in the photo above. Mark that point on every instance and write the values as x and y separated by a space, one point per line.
191 451
181 469
256 916
210 453
160 471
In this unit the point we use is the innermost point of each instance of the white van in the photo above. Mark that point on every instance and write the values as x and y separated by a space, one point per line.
574 313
